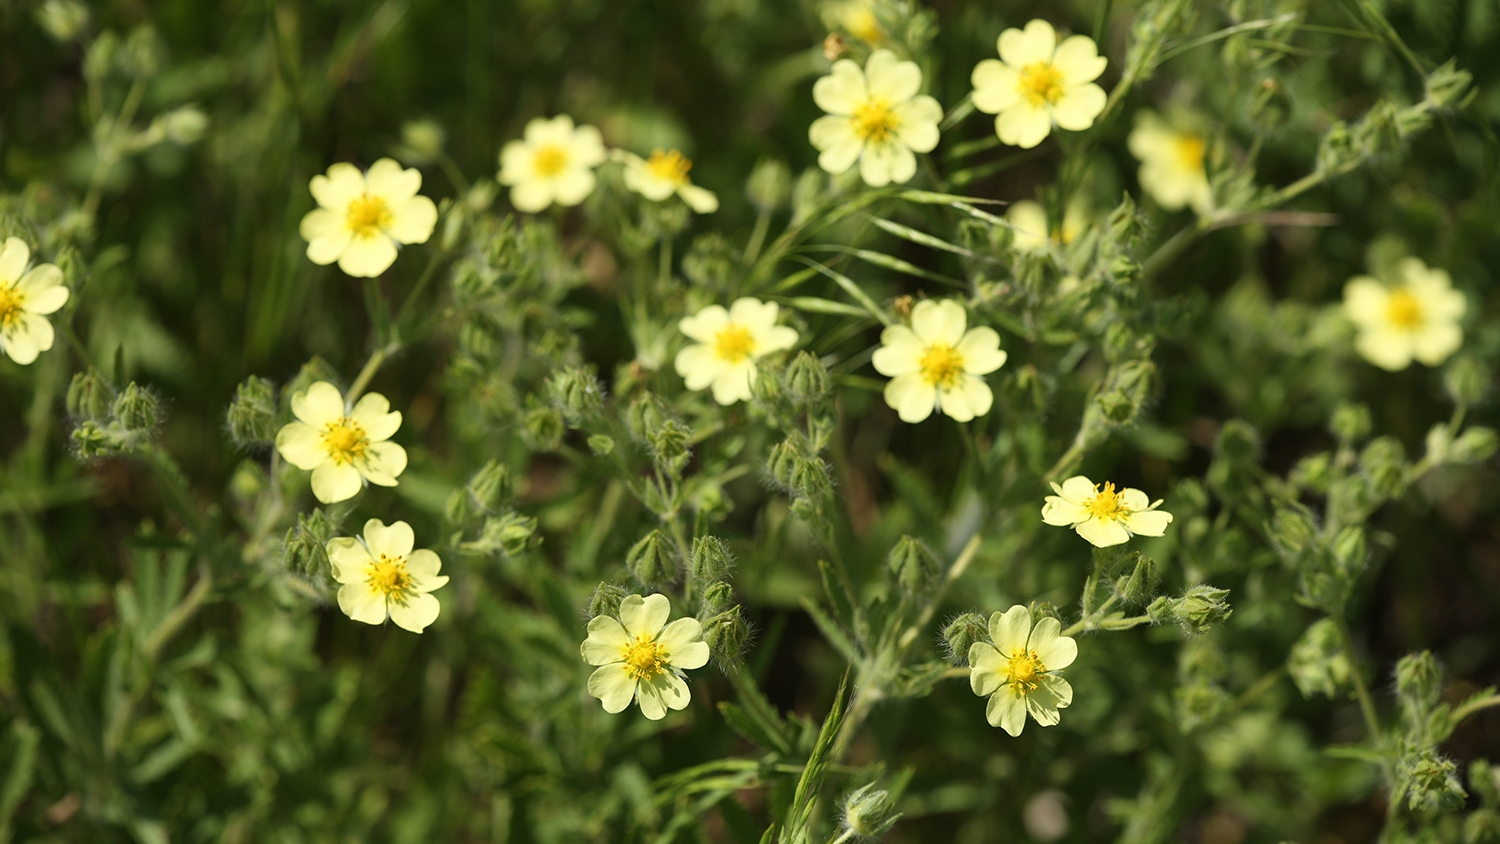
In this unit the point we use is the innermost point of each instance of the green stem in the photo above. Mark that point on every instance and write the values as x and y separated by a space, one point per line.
372 366
757 237
1086 623
1474 706
1366 703
960 565
664 263
416 290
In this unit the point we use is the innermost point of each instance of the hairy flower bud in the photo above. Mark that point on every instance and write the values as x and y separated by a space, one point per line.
136 409
726 634
1318 664
64 20
869 812
601 445
491 486
141 54
1027 392
544 428
1467 380
1430 782
769 186
421 142
89 396
252 414
1473 446
1138 586
717 597
509 533
1291 529
644 417
606 600
808 194
960 634
99 60
670 447
912 565
653 561
1384 463
313 371
1197 611
710 561
576 392
1447 85
305 549
806 380
1419 683
1350 423
183 126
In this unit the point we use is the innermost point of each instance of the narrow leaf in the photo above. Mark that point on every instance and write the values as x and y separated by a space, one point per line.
851 288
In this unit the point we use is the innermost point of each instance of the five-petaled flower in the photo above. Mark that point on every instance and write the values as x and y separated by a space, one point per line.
1417 318
1171 163
641 657
876 117
1104 516
379 575
1019 671
728 345
341 446
553 162
363 216
26 297
663 174
936 365
1037 82
1028 225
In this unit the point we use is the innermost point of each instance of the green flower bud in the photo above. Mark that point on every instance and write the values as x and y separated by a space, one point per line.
422 142
1349 549
1270 105
726 634
491 486
710 261
606 600
644 417
769 186
1484 778
100 58
1199 703
89 396
510 533
1027 392
1384 463
806 379
1124 220
653 561
1419 683
961 634
576 392
1473 446
1482 826
717 598
710 561
1467 380
912 565
1042 609
64 20
1160 611
141 55
1138 586
869 812
544 428
1124 391
1201 607
1292 529
136 409
1122 345
769 390
1318 664
90 441
183 126
1447 85
1351 422
305 550
1430 782
601 445
1313 472
1238 441
459 509
1336 149
252 414
670 447
808 194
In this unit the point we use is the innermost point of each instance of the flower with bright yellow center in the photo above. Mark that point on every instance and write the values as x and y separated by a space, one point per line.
1028 225
936 365
876 117
553 162
1172 170
342 448
27 296
1415 318
1105 515
665 174
728 343
1038 82
1019 671
380 576
641 657
361 218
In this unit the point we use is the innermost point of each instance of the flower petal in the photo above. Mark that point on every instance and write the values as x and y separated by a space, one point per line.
644 616
917 123
1077 59
1148 522
699 366
373 413
1007 711
368 257
1103 533
393 540
14 256
1366 301
301 446
701 200
614 687
705 325
1054 650
606 643
1078 489
532 196
911 397
997 86
383 463
1078 107
43 289
842 90
734 383
984 668
416 612
1388 349
423 566
326 234
683 642
649 696
343 184
362 603
413 220
349 559
971 397
671 690
981 351
891 79
878 163
29 333
1036 43
389 181
573 186
1010 630
1435 343
333 482
318 405
1062 513
1023 125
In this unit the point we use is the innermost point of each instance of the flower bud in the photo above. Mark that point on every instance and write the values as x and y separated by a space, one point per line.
89 396
1291 529
670 447
1482 826
459 509
1484 778
1430 782
1419 683
1124 220
491 486
869 812
576 392
1318 664
1313 472
1042 609
1349 549
710 261
710 561
726 634
912 565
717 598
1139 585
1473 446
1384 463
252 414
184 126
544 428
1121 344
769 186
64 20
136 409
1270 105
421 142
1447 85
1467 379
808 194
313 371
806 379
1198 610
653 561
601 445
509 533
305 549
644 417
606 600
1238 441
141 55
100 58
961 634
1124 390
1351 422
91 441
1027 392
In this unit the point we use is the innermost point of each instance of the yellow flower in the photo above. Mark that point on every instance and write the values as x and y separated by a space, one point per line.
876 117
641 657
26 297
856 17
1019 671
1028 221
1105 516
1171 164
363 216
554 162
936 365
381 575
1415 319
664 174
1038 82
728 344
339 446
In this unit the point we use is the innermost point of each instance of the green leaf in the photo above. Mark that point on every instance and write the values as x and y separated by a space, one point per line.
22 770
796 829
880 259
920 238
851 288
752 728
812 304
836 635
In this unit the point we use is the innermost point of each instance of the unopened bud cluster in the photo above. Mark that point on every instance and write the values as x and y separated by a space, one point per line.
107 423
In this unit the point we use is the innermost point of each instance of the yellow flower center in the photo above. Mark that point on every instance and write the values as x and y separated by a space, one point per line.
669 166
550 160
1041 83
644 659
368 216
1188 151
734 343
345 440
10 306
941 365
1402 309
1023 671
388 575
1106 505
874 121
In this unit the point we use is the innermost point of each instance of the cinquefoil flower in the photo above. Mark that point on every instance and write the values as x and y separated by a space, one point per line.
641 657
381 575
553 162
1104 516
26 297
876 117
1038 82
1019 671
1028 220
728 344
1171 163
342 447
936 365
664 174
1415 319
363 216
856 17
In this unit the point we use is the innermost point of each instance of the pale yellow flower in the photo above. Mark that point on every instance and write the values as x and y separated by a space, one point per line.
641 657
363 216
1104 516
342 447
856 17
553 162
1028 222
664 174
1038 82
728 345
936 365
26 298
875 117
1019 671
1171 163
1417 318
379 575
